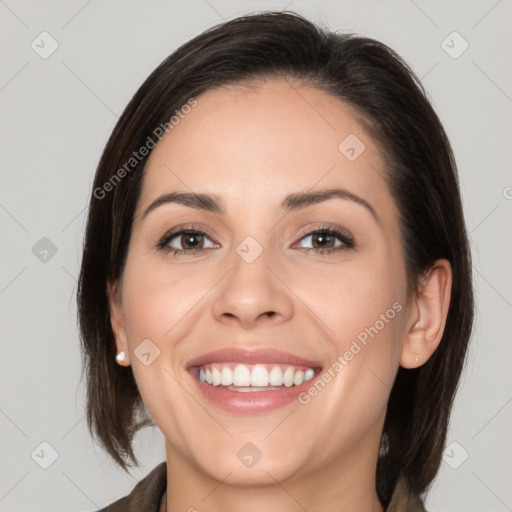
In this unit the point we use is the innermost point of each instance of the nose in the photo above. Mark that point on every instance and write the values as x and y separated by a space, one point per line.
252 294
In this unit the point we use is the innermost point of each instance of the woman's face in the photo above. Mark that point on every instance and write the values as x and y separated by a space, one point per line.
258 301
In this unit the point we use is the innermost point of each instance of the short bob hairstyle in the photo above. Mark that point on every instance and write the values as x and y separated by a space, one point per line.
421 174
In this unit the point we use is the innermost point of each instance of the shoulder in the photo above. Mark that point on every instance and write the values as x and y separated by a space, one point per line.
146 495
404 499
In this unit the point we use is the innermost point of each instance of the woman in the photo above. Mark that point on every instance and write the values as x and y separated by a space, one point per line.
276 274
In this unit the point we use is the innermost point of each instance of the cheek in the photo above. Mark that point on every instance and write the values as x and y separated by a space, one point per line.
359 307
159 306
157 300
355 299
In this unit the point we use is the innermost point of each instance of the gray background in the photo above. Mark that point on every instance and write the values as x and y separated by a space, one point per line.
56 115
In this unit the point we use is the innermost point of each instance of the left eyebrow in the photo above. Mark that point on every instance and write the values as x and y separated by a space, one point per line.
295 201
303 199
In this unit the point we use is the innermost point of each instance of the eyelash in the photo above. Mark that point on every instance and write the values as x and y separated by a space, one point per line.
347 240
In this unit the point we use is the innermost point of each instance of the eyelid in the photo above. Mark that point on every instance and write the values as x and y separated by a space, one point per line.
325 227
199 228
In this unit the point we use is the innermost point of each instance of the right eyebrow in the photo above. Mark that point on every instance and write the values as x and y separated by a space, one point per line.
207 202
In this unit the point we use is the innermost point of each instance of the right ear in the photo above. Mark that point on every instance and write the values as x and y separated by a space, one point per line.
117 321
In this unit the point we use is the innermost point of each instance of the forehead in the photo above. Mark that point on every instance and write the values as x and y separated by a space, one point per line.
261 143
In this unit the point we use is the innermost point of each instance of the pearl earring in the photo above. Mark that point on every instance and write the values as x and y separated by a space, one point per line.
120 356
417 357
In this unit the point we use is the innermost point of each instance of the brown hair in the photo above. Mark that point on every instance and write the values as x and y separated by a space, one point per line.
422 179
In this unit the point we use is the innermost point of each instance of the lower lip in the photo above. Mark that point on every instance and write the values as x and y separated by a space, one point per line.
252 402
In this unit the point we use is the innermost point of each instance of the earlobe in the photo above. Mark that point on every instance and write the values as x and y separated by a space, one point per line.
117 323
427 317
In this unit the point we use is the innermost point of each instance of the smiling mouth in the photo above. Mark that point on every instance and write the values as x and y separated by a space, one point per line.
244 381
246 378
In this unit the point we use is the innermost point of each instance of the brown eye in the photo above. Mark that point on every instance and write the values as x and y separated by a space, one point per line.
325 240
185 241
191 240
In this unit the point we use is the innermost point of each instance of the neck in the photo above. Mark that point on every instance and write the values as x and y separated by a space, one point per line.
343 487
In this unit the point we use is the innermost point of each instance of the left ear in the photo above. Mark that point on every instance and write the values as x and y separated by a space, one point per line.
117 320
427 317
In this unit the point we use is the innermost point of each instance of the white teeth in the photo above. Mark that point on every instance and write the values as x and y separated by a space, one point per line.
241 375
216 379
226 376
259 377
298 379
309 374
276 376
288 377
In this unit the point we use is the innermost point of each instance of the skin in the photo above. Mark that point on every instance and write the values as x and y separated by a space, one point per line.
318 456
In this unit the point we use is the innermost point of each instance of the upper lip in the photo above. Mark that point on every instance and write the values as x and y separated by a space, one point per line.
253 356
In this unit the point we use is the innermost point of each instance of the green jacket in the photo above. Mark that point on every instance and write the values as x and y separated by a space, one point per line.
147 495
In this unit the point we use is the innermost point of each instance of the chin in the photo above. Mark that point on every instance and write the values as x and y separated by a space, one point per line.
239 470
